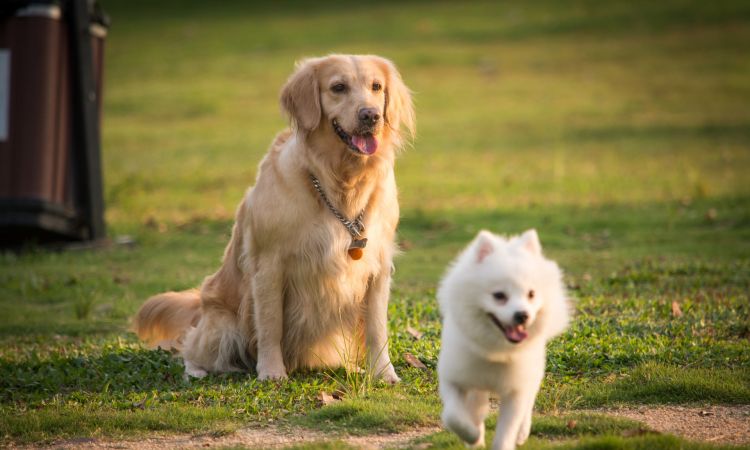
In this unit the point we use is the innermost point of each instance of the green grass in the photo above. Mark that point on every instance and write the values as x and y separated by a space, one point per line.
620 130
386 412
606 442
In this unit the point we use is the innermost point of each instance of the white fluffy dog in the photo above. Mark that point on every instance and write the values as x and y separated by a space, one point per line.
501 302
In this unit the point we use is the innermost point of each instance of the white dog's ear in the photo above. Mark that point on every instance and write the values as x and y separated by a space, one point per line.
300 96
530 241
398 109
484 245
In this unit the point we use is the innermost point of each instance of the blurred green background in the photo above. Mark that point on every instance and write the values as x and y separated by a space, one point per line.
620 130
593 116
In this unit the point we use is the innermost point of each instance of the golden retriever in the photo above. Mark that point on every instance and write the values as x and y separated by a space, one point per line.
296 288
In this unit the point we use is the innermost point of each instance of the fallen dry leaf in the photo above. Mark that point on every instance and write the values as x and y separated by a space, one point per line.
325 398
676 311
416 334
406 244
414 361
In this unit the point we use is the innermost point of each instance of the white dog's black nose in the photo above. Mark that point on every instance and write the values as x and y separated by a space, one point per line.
368 116
520 317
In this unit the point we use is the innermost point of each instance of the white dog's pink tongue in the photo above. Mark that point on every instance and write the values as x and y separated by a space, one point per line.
366 144
515 334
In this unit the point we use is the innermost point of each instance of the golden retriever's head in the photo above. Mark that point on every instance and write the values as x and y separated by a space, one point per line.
359 101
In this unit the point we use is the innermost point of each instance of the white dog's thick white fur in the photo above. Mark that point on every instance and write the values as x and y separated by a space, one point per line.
501 302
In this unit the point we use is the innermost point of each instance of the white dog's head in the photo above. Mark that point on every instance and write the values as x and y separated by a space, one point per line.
504 291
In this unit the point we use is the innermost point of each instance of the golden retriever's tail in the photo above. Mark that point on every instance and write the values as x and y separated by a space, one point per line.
165 318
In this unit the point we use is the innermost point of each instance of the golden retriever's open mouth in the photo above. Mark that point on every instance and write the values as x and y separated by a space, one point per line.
365 144
513 333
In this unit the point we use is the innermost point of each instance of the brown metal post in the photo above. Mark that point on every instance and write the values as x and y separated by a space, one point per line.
86 126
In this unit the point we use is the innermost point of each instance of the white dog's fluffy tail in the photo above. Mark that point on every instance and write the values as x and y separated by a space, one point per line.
165 318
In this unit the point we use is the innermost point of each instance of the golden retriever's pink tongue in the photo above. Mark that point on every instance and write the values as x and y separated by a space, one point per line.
366 144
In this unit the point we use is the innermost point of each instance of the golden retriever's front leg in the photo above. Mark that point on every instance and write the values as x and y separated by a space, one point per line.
376 328
268 303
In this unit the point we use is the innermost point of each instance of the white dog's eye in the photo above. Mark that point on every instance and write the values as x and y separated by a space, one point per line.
376 86
531 294
500 295
338 88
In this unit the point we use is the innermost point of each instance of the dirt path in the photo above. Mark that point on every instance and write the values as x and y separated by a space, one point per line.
717 424
269 437
720 424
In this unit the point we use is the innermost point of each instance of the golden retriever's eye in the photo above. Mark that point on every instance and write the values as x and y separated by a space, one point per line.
338 88
500 295
376 86
531 294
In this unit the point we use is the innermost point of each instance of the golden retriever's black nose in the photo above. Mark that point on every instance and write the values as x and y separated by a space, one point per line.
368 116
520 317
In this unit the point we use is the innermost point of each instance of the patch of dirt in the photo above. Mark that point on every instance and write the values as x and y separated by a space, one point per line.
716 424
719 424
269 437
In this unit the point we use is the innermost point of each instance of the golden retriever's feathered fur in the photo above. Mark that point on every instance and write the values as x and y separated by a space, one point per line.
287 294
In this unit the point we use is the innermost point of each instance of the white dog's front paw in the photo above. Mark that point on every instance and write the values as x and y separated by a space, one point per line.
524 431
388 374
480 442
523 436
502 444
462 426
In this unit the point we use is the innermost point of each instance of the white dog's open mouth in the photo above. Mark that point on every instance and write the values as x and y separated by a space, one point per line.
365 144
513 333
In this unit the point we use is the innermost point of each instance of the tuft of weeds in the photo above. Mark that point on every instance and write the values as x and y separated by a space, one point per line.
356 377
83 307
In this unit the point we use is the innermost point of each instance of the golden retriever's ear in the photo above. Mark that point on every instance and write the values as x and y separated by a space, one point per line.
300 96
399 109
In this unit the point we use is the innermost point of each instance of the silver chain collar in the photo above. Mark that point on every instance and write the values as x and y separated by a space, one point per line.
355 227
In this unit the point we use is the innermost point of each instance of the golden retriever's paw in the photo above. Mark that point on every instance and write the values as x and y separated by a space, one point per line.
191 370
278 373
388 374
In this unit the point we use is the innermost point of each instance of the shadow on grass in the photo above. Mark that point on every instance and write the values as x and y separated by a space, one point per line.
54 424
654 383
739 132
114 370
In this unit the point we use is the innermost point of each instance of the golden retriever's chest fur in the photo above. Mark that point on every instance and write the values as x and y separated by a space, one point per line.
325 289
322 275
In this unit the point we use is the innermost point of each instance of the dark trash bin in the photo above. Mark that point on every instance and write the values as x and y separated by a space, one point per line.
51 60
